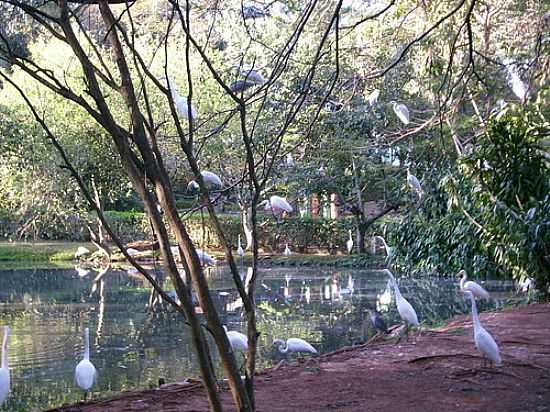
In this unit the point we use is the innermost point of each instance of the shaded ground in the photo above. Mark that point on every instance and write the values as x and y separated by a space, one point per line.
440 371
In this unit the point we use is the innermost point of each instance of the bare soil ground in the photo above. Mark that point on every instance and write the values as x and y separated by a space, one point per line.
440 370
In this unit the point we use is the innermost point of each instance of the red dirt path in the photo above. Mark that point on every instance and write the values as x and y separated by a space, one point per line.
440 371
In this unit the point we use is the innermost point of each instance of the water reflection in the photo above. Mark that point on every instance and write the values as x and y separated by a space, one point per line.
132 347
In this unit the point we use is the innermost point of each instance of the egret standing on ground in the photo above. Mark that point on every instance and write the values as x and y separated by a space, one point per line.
349 243
85 373
405 309
414 184
5 380
483 339
287 251
401 111
181 102
471 286
294 345
240 250
238 341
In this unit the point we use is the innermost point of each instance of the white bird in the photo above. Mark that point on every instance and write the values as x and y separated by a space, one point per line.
519 87
238 341
294 345
289 160
211 180
205 258
405 309
349 243
240 250
181 102
277 205
483 339
472 286
287 251
414 184
5 380
81 251
373 97
401 111
389 250
350 288
526 285
85 373
254 76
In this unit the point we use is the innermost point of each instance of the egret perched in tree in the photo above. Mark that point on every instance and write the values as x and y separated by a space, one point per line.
250 75
81 251
405 309
349 243
519 88
277 205
378 321
241 85
5 380
240 250
401 111
211 180
294 345
85 373
471 286
239 341
373 97
181 102
287 251
414 184
483 339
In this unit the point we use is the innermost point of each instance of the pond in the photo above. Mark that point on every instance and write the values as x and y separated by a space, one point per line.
132 348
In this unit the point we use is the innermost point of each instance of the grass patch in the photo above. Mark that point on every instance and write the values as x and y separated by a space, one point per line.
38 252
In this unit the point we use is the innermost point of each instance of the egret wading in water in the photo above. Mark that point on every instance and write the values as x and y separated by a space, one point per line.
349 244
295 345
405 309
5 380
414 184
181 103
85 373
401 111
483 339
471 286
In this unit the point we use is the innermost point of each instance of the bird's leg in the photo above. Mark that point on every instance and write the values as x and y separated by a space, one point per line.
406 331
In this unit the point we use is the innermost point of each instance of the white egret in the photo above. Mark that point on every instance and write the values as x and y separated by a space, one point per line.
205 258
131 251
350 288
82 272
519 87
85 373
181 102
287 251
349 243
483 339
81 251
238 341
373 97
405 309
289 160
294 345
277 205
401 111
526 285
389 250
211 180
471 286
5 380
240 250
414 184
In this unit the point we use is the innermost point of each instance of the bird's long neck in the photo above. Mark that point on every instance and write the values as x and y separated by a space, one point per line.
285 349
383 242
5 348
397 291
462 281
350 238
239 241
475 316
87 344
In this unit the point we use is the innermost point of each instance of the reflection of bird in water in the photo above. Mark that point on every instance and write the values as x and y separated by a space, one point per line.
378 321
85 372
5 380
288 278
471 286
308 294
349 289
483 339
294 345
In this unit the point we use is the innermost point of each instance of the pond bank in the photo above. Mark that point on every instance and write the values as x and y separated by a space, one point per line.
439 370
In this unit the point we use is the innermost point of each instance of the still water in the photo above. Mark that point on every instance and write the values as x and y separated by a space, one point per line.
132 348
